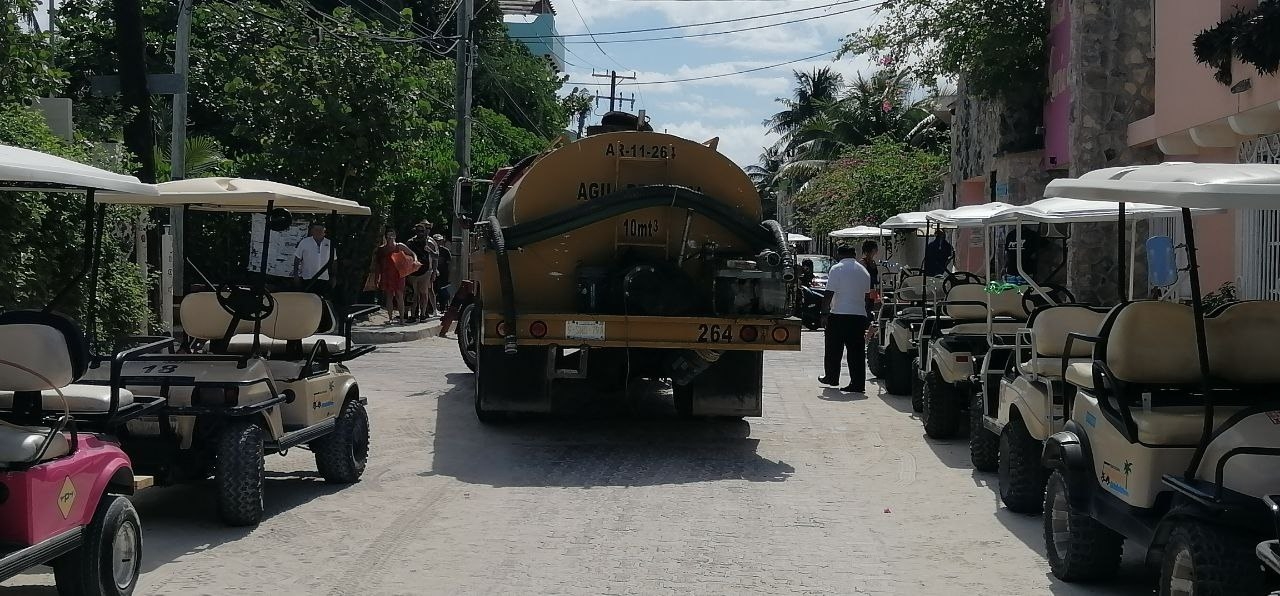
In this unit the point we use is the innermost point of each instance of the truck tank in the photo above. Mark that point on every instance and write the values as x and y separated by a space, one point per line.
627 255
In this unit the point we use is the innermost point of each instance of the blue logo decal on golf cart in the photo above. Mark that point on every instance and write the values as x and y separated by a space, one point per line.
1090 419
1116 479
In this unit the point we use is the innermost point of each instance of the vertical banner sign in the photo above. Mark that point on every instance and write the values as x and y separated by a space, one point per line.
280 248
1057 110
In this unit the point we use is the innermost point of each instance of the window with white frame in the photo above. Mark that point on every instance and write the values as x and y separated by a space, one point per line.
1258 230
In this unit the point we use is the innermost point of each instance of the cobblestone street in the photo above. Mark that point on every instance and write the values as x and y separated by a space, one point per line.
826 494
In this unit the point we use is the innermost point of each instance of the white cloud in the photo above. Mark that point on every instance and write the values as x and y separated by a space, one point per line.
741 142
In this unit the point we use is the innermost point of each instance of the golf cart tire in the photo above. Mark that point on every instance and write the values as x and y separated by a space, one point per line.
1221 562
468 334
941 410
341 455
875 359
984 445
917 388
1089 550
239 473
898 381
89 570
1022 476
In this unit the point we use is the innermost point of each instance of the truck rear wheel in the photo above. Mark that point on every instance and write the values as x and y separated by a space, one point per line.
1077 546
941 407
469 334
1022 476
1202 560
108 561
984 445
342 454
238 473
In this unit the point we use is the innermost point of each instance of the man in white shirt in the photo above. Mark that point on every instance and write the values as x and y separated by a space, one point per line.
312 255
847 285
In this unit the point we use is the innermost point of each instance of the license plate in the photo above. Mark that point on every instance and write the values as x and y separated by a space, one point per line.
584 329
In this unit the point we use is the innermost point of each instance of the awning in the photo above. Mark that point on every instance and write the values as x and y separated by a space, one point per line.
1210 185
238 195
24 169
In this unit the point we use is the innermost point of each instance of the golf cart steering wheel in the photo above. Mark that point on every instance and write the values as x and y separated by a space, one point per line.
1032 300
959 278
245 304
910 272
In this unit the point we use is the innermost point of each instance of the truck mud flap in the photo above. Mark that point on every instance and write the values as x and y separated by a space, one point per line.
513 382
733 386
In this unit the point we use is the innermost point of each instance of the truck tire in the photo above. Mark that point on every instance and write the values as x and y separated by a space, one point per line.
1077 546
917 387
469 334
682 395
1022 476
238 473
1203 560
875 359
984 445
342 454
898 382
109 560
941 407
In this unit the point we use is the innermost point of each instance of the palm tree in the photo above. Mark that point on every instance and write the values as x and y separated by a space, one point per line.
813 90
765 176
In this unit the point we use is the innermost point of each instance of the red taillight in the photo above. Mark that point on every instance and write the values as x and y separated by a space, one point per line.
502 328
780 334
749 333
538 329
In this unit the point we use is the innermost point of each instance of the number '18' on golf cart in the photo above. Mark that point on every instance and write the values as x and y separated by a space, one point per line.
1174 429
62 489
261 372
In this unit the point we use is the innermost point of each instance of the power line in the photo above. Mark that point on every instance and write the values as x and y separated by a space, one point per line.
720 22
722 75
497 79
744 29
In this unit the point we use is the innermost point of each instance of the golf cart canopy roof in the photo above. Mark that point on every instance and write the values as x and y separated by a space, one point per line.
860 232
969 216
798 238
237 195
1215 185
912 220
1062 210
24 169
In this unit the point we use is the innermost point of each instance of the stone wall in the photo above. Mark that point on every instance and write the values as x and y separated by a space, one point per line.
1112 78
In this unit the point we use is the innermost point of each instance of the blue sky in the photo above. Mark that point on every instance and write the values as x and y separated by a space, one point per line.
730 108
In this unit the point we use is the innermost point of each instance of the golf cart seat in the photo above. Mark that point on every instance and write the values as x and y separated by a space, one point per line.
1048 330
918 287
291 329
203 318
38 352
80 399
966 304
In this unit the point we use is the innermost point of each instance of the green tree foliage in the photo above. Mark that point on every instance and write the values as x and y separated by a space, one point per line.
869 184
24 52
997 46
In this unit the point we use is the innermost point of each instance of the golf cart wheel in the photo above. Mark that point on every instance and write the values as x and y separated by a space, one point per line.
1077 546
1202 560
917 388
941 408
342 454
1022 476
469 334
984 445
108 562
238 473
898 381
875 360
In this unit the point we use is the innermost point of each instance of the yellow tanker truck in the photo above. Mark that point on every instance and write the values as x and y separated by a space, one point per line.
626 256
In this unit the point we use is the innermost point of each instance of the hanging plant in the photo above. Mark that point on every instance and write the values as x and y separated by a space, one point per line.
1258 41
1213 47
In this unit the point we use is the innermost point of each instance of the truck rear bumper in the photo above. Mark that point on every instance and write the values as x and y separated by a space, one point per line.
619 331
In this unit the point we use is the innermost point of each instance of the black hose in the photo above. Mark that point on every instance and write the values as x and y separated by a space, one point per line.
504 278
788 257
632 199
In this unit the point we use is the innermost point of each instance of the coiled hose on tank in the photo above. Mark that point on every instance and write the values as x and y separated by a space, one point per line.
504 278
788 257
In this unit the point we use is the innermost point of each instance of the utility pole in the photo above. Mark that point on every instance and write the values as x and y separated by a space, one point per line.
462 131
178 142
613 98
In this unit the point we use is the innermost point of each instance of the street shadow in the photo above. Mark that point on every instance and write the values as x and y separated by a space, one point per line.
637 443
833 394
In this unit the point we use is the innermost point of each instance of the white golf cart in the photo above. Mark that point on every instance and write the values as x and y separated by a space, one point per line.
62 489
906 303
260 372
1024 396
1172 432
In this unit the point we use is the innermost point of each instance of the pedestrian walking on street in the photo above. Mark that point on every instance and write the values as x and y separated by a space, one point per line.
443 263
312 255
422 245
938 254
392 263
848 283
